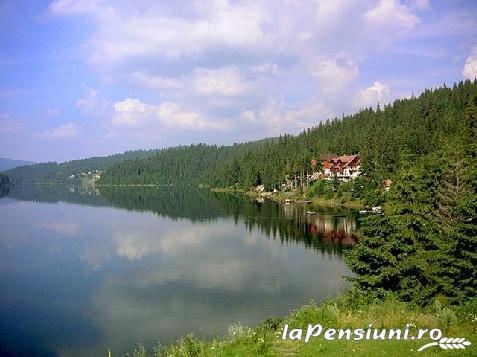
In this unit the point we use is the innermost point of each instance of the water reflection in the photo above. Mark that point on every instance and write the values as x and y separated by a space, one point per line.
84 269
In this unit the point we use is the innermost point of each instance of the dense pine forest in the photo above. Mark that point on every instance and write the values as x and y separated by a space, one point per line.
384 138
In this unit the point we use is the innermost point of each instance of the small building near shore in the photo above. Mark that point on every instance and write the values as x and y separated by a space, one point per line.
344 167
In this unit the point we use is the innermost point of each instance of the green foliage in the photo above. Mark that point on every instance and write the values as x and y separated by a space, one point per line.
425 244
350 310
417 126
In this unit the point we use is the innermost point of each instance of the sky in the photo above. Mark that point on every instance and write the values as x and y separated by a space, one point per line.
97 77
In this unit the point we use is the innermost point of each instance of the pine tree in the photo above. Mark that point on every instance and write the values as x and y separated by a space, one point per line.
397 251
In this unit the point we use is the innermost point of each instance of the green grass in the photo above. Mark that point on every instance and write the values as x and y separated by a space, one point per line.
348 310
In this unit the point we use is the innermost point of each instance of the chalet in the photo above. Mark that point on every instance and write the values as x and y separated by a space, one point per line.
344 167
387 184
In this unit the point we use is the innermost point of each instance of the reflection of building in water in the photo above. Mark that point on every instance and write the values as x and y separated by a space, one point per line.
339 230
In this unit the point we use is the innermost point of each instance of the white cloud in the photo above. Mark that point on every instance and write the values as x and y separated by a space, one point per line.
248 115
91 102
213 61
131 112
391 14
66 131
224 81
470 66
155 82
266 68
334 76
173 115
129 32
130 106
277 118
377 93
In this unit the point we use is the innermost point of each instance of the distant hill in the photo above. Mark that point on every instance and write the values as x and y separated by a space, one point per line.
7 164
53 172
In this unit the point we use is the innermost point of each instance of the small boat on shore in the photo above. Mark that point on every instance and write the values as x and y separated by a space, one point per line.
310 213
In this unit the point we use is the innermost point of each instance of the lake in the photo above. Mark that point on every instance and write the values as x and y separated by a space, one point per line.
83 270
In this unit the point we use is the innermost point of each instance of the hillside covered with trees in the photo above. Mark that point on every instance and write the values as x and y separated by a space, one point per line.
53 172
383 137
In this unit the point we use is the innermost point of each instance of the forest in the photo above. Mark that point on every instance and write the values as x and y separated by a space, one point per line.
53 172
383 137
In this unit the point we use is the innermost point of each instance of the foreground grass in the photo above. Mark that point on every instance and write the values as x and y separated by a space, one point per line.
346 311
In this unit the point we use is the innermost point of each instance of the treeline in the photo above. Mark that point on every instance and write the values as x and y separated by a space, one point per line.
53 172
194 164
382 137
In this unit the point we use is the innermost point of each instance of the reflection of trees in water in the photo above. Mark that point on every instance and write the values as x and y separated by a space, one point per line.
330 230
84 195
4 191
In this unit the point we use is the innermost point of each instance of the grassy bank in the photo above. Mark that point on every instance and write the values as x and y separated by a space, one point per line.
347 311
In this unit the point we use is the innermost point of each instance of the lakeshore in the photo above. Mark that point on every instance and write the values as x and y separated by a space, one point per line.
349 310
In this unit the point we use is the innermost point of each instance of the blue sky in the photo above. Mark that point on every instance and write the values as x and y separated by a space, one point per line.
95 77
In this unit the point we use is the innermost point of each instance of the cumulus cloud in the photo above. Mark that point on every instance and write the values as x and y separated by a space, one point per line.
470 66
223 81
276 117
133 112
154 81
173 115
145 30
377 93
248 116
216 63
130 106
334 76
66 131
389 14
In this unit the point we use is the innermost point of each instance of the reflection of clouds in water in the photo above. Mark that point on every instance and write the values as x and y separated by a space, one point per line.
210 281
96 254
64 228
137 244
157 278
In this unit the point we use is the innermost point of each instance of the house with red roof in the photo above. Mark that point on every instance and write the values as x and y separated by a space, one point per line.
344 167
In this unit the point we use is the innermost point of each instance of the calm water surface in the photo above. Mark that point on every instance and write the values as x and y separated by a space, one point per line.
83 270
